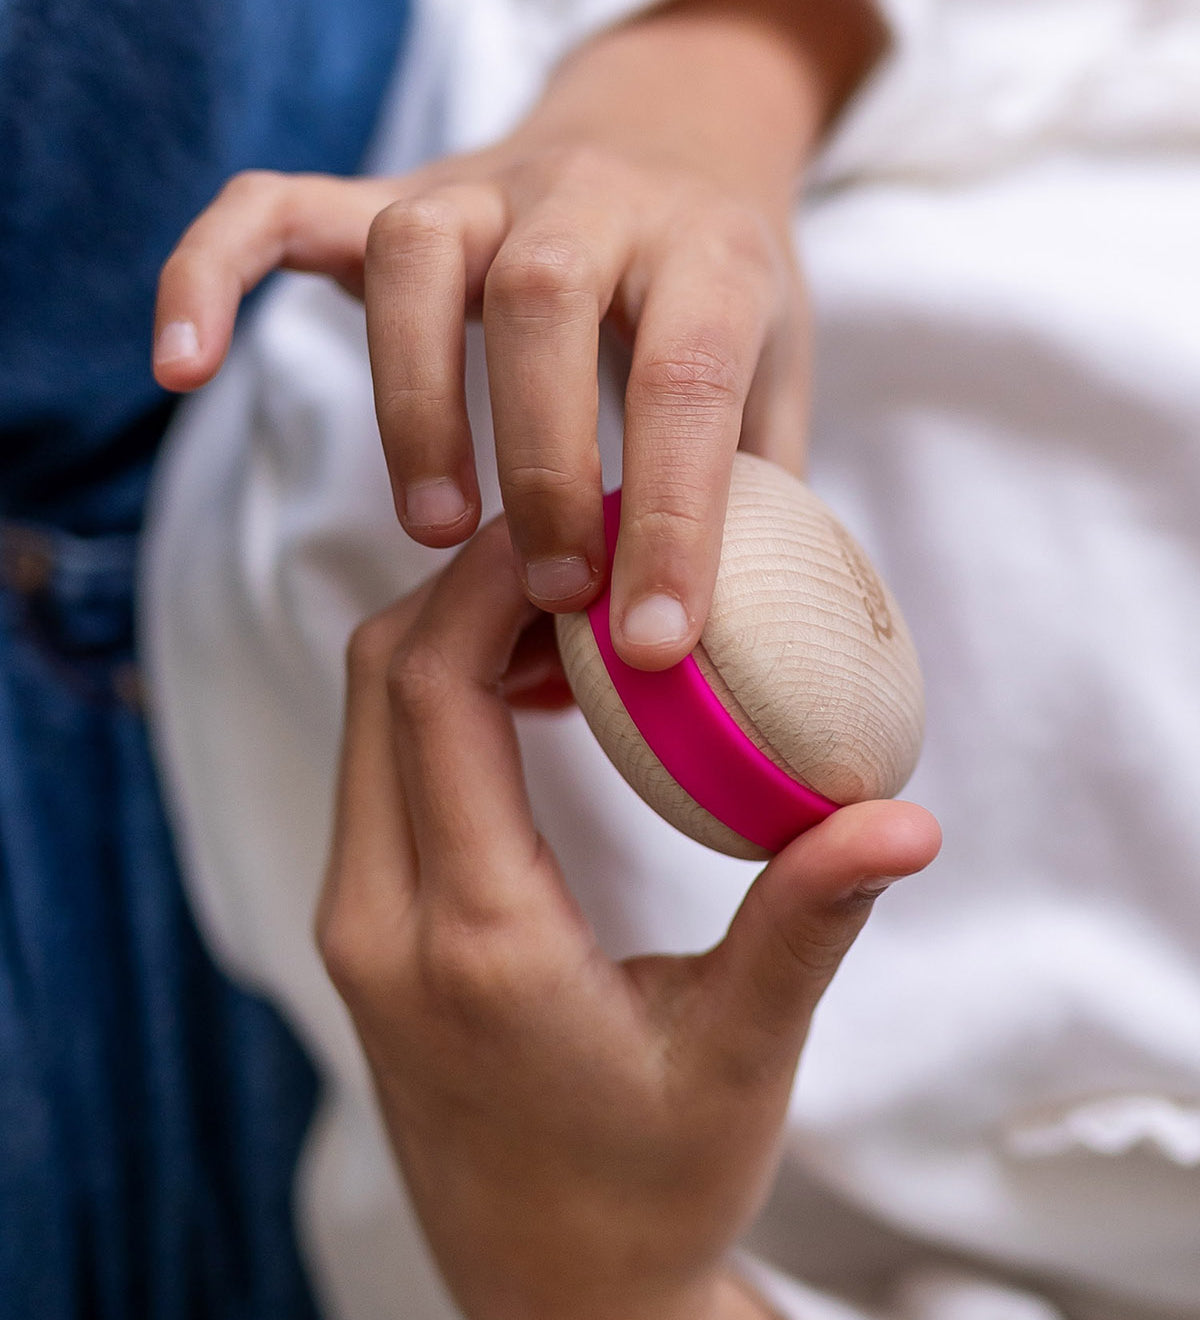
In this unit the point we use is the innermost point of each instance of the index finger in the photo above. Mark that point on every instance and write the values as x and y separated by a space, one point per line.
372 852
456 746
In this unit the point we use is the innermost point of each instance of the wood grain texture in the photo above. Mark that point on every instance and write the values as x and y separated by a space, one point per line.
804 645
627 749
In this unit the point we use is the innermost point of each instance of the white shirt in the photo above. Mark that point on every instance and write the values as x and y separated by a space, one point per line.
998 1114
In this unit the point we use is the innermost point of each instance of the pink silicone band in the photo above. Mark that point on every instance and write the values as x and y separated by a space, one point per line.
699 743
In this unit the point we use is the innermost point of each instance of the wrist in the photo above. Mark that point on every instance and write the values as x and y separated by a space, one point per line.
726 1296
743 92
723 1295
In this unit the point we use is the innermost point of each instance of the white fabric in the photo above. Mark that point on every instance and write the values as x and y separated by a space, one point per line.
1004 1082
976 85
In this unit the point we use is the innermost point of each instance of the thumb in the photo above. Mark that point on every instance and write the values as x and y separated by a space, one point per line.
801 916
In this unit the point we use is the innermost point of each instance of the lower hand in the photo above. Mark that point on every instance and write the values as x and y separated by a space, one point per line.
581 1138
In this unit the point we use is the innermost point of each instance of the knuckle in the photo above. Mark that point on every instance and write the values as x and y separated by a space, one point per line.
490 964
575 160
469 968
348 946
698 373
189 263
542 272
263 194
816 950
413 225
676 518
420 680
583 169
254 185
339 946
530 480
739 235
371 646
431 410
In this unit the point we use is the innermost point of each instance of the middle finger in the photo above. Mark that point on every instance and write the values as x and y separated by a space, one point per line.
545 295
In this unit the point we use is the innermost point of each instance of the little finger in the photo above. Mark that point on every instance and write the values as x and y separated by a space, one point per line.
258 222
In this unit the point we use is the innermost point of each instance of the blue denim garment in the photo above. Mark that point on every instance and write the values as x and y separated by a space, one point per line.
150 1112
119 121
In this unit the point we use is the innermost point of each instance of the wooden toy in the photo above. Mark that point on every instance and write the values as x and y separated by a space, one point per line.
803 695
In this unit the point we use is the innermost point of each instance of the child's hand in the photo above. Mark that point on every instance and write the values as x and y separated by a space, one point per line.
652 186
581 1138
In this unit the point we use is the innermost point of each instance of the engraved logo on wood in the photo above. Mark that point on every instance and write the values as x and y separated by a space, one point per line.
873 599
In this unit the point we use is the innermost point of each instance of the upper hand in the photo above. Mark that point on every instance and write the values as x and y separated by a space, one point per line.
652 187
545 246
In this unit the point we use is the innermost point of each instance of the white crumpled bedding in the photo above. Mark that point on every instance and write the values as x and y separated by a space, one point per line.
999 1109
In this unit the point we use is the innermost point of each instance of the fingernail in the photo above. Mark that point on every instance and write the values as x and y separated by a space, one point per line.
434 503
558 579
657 620
176 341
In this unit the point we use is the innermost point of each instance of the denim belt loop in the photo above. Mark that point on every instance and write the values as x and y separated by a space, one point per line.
76 597
26 558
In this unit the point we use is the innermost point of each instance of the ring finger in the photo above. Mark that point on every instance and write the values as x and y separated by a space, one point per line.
425 260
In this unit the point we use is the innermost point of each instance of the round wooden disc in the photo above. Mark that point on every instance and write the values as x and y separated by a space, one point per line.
805 646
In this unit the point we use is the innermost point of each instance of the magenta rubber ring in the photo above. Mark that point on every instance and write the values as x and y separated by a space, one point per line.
699 743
